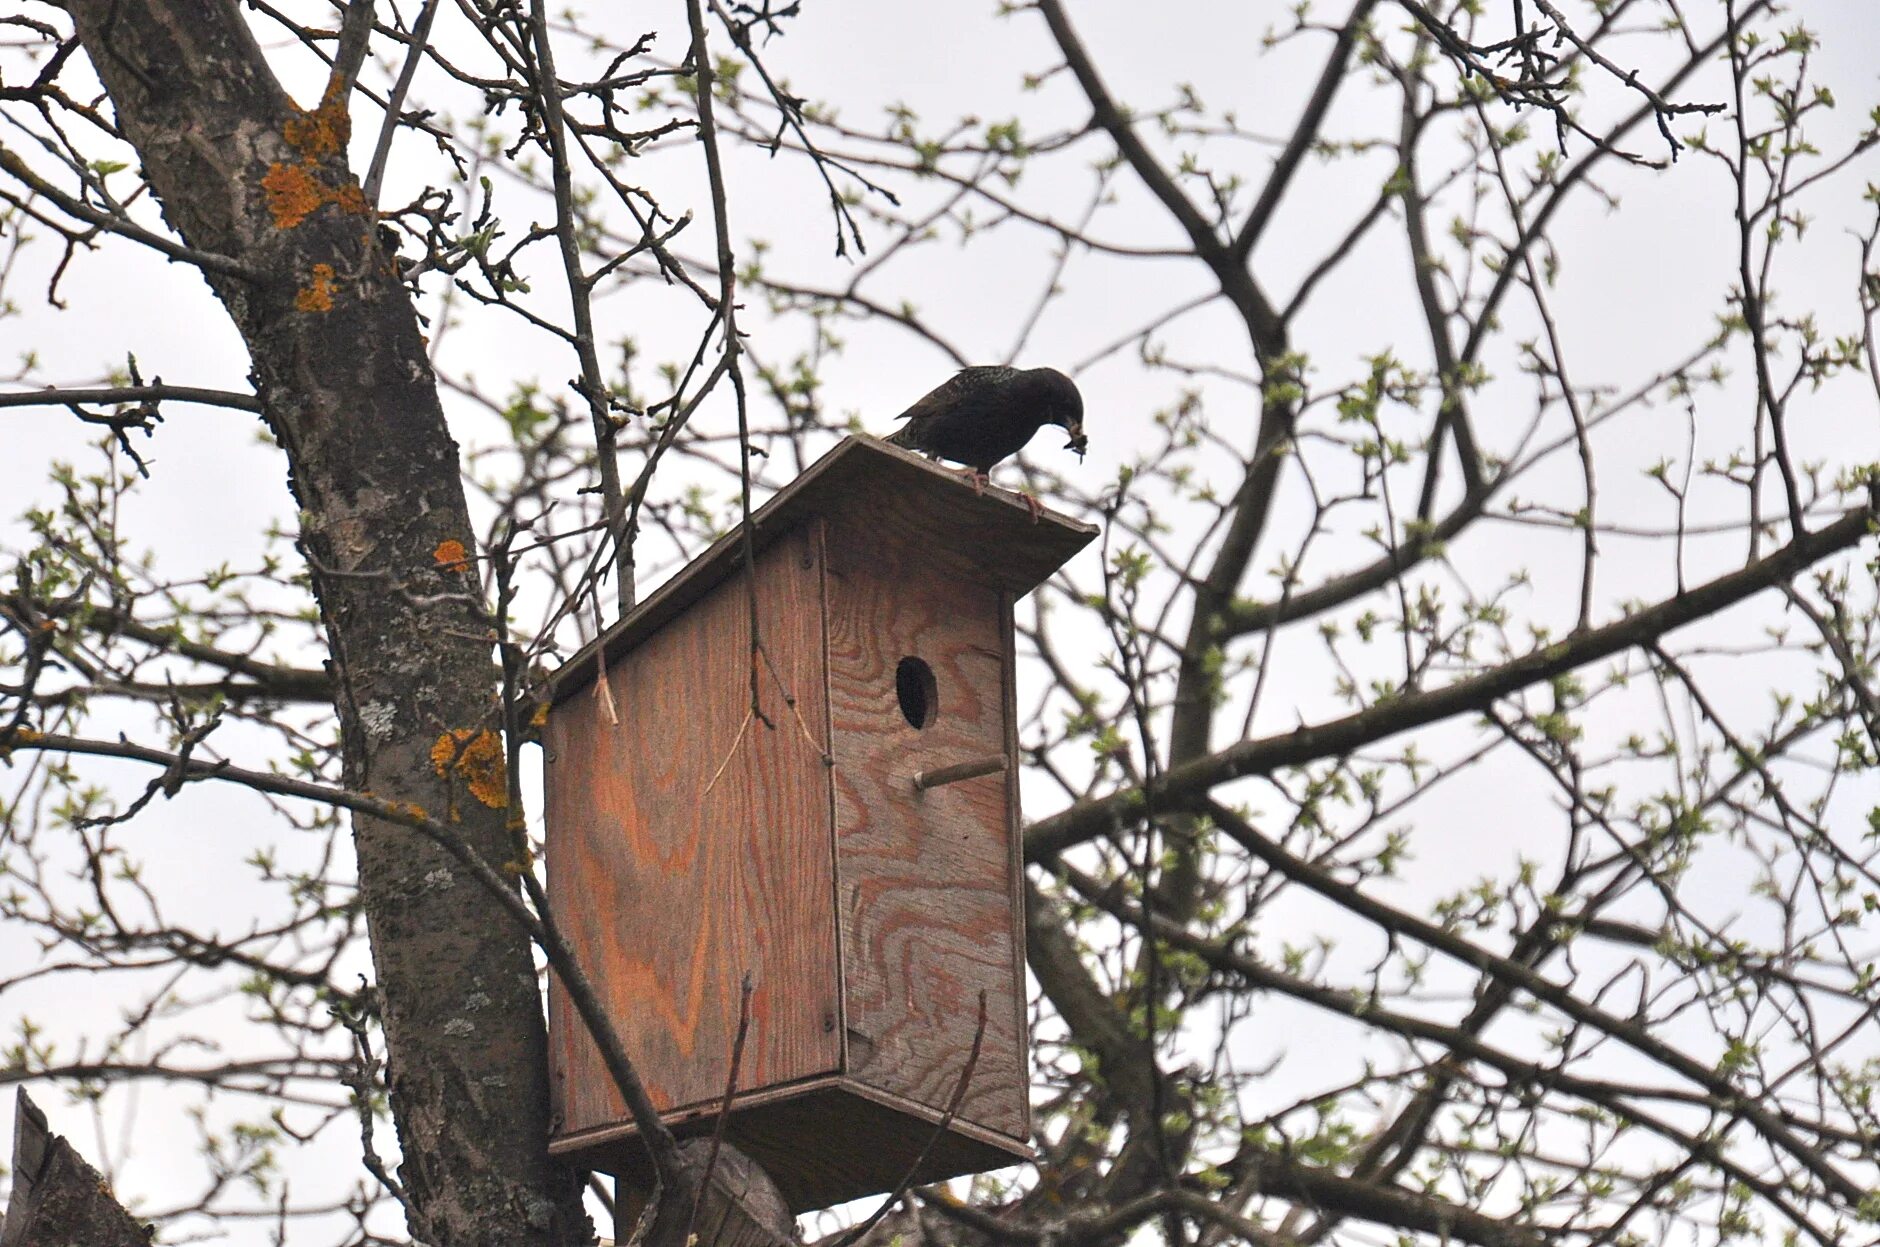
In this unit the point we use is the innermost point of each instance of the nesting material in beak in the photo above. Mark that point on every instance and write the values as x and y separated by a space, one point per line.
1078 441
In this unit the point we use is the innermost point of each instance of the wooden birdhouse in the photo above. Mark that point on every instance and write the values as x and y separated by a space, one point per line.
855 849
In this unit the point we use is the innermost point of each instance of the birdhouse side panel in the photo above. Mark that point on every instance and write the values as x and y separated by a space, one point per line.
925 880
689 844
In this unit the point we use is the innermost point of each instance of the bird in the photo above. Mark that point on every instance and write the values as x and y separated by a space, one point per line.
985 414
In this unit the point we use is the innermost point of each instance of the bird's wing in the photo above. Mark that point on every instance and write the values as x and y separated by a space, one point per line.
960 384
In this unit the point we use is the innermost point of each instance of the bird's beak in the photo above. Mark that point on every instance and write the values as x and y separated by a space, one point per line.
1078 441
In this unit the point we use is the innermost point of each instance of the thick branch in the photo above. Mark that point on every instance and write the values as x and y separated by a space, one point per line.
270 679
1306 134
1253 306
1185 784
51 397
1721 1092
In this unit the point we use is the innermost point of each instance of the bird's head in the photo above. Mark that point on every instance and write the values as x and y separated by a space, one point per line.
1063 406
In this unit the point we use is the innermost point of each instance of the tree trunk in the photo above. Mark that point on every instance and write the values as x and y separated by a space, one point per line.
346 388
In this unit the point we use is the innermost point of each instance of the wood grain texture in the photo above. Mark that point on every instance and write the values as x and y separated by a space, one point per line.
925 880
690 844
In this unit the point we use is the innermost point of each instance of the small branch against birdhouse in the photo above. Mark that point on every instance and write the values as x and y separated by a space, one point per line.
942 775
740 1207
591 385
603 691
730 753
703 75
724 1109
790 700
940 1128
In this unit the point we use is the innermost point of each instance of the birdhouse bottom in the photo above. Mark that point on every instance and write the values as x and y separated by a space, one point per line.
787 1131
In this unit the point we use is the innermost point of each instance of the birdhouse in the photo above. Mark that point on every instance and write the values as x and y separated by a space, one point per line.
832 812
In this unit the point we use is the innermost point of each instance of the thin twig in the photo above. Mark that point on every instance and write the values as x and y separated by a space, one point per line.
603 690
724 1107
790 700
114 224
703 77
593 385
395 105
539 924
355 37
155 393
729 754
361 1078
939 1131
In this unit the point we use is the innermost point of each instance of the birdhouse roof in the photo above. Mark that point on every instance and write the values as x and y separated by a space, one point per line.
992 535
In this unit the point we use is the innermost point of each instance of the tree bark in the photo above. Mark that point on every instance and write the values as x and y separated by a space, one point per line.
345 386
726 1200
57 1198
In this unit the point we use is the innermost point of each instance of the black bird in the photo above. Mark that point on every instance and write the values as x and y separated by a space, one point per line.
987 414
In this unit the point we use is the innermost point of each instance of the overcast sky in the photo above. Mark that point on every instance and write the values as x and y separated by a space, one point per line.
1640 282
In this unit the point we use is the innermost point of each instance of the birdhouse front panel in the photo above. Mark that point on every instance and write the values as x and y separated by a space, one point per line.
920 662
690 845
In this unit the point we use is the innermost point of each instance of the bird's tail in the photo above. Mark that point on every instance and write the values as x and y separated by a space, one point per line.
903 436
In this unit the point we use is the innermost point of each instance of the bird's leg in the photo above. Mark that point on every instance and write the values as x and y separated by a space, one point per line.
1033 505
978 479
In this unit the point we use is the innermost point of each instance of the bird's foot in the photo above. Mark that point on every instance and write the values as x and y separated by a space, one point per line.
1033 505
979 480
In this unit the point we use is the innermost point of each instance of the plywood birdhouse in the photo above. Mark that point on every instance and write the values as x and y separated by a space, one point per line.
853 846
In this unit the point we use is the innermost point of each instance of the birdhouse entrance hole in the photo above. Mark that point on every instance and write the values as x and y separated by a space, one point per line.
914 685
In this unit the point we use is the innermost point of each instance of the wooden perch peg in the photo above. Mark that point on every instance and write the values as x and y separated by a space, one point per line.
941 775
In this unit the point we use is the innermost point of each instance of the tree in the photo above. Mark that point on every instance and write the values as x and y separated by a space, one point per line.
1474 685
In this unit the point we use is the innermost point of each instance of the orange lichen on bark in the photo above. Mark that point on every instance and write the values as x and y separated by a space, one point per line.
317 296
476 756
293 193
450 555
18 736
296 191
322 132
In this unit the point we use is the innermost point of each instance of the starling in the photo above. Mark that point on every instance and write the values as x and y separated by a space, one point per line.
987 414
